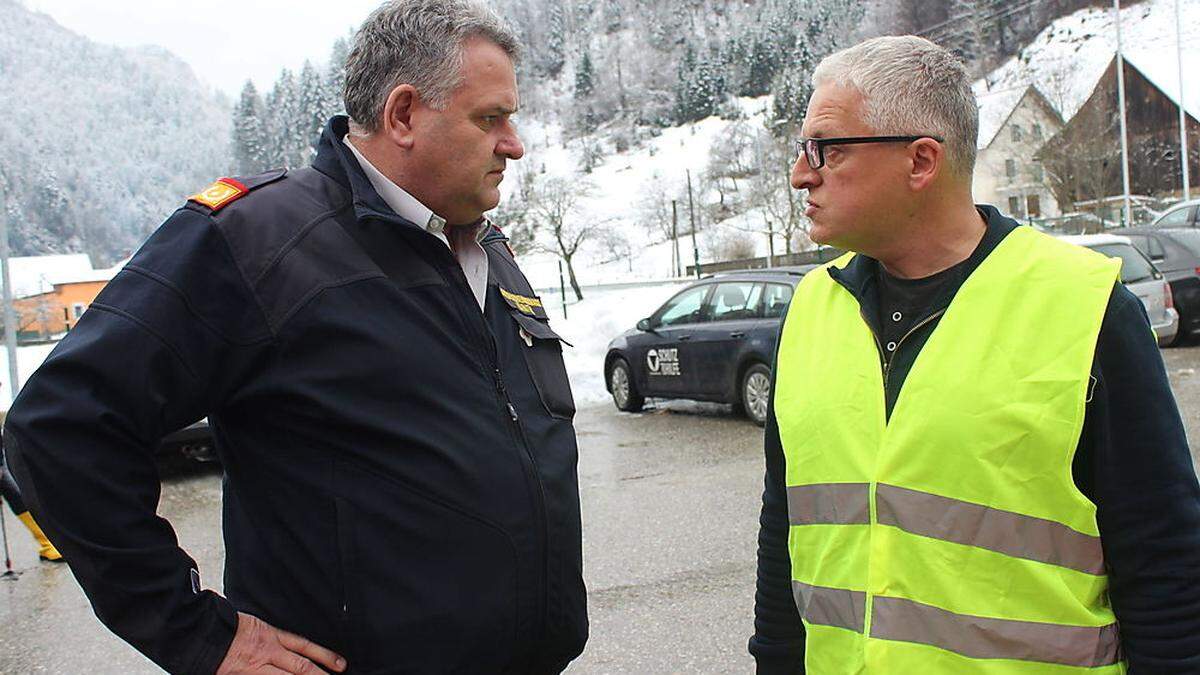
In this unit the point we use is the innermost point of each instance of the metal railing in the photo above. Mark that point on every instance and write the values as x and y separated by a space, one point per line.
814 257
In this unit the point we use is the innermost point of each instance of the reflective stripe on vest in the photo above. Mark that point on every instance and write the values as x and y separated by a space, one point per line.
951 538
938 517
974 636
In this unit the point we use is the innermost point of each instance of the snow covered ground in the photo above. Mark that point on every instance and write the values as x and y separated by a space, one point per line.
28 359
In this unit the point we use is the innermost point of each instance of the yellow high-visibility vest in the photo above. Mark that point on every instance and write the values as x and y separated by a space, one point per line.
951 539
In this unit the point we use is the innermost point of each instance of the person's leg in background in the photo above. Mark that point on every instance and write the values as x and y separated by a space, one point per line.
12 494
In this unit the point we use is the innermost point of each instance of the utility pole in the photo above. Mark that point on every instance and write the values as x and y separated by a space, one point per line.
10 319
770 244
1183 142
1124 130
692 216
676 262
562 290
762 168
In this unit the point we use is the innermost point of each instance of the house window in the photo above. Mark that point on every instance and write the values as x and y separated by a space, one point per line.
1037 131
77 310
1010 169
1038 174
1016 133
1015 207
1034 207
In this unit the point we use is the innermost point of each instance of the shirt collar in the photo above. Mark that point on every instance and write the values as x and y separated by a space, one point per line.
405 205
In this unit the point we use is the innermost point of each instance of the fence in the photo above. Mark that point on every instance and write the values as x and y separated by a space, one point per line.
814 257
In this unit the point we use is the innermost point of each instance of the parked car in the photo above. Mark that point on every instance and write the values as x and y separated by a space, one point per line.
712 341
1142 278
1182 214
1176 253
193 442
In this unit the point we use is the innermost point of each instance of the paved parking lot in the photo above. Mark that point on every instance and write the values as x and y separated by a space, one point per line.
670 502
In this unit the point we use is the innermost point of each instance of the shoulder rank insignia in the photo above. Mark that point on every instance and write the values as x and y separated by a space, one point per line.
227 190
522 304
220 193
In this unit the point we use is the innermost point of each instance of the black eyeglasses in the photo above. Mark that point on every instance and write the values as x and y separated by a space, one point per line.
813 149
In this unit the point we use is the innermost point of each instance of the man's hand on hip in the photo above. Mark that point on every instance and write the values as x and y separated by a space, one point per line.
258 648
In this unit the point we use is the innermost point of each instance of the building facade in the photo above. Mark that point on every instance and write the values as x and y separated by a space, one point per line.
1013 127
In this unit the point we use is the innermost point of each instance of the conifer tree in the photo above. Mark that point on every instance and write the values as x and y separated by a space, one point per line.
554 51
584 77
249 133
335 77
312 102
288 127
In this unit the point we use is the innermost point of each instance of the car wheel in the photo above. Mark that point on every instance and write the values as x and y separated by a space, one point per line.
756 393
620 383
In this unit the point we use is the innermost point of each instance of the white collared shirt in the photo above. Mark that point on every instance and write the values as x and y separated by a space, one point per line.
471 258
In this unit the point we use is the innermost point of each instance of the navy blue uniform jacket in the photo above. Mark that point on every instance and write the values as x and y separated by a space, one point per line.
400 468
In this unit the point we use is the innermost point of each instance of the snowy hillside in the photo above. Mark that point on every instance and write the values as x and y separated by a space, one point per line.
1068 58
621 184
99 143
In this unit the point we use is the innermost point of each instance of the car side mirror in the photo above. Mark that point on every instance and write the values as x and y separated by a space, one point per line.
644 325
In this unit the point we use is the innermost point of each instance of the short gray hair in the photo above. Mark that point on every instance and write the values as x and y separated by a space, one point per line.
910 86
417 42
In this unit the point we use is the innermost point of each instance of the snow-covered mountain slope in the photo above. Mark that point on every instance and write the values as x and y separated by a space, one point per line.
98 144
1068 58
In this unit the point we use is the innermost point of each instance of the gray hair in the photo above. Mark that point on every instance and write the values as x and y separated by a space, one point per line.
910 86
417 42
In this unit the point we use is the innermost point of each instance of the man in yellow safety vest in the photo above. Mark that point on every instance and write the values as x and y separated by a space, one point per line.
974 460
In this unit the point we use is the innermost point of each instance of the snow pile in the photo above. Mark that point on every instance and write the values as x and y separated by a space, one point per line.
1067 59
28 360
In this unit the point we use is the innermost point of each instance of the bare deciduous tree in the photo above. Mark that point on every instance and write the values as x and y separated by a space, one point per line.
552 206
773 192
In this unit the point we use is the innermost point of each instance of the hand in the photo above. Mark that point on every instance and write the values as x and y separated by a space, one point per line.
258 648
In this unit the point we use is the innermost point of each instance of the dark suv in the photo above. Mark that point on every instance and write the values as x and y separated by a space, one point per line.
1176 253
712 341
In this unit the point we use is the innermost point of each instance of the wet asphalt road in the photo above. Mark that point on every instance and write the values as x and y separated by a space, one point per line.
670 501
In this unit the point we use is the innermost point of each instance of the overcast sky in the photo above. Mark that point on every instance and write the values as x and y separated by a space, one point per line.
225 42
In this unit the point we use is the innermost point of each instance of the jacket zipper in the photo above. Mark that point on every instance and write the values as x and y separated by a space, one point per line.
887 370
532 471
884 361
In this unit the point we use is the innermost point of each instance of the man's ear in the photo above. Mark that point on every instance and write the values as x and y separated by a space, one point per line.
928 161
398 114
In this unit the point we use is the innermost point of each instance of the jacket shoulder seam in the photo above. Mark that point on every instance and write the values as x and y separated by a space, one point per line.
296 238
318 290
150 331
178 292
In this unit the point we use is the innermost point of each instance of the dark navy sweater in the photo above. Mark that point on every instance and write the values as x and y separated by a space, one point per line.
1132 461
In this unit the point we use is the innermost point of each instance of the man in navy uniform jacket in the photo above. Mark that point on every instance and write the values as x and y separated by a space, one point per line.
387 396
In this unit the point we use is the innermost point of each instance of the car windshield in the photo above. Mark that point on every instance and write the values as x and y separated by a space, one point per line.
1174 218
1134 266
1189 239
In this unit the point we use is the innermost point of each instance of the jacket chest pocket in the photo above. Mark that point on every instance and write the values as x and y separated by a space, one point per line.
542 348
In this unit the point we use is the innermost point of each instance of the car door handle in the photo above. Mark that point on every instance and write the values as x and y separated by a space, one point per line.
737 334
683 337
